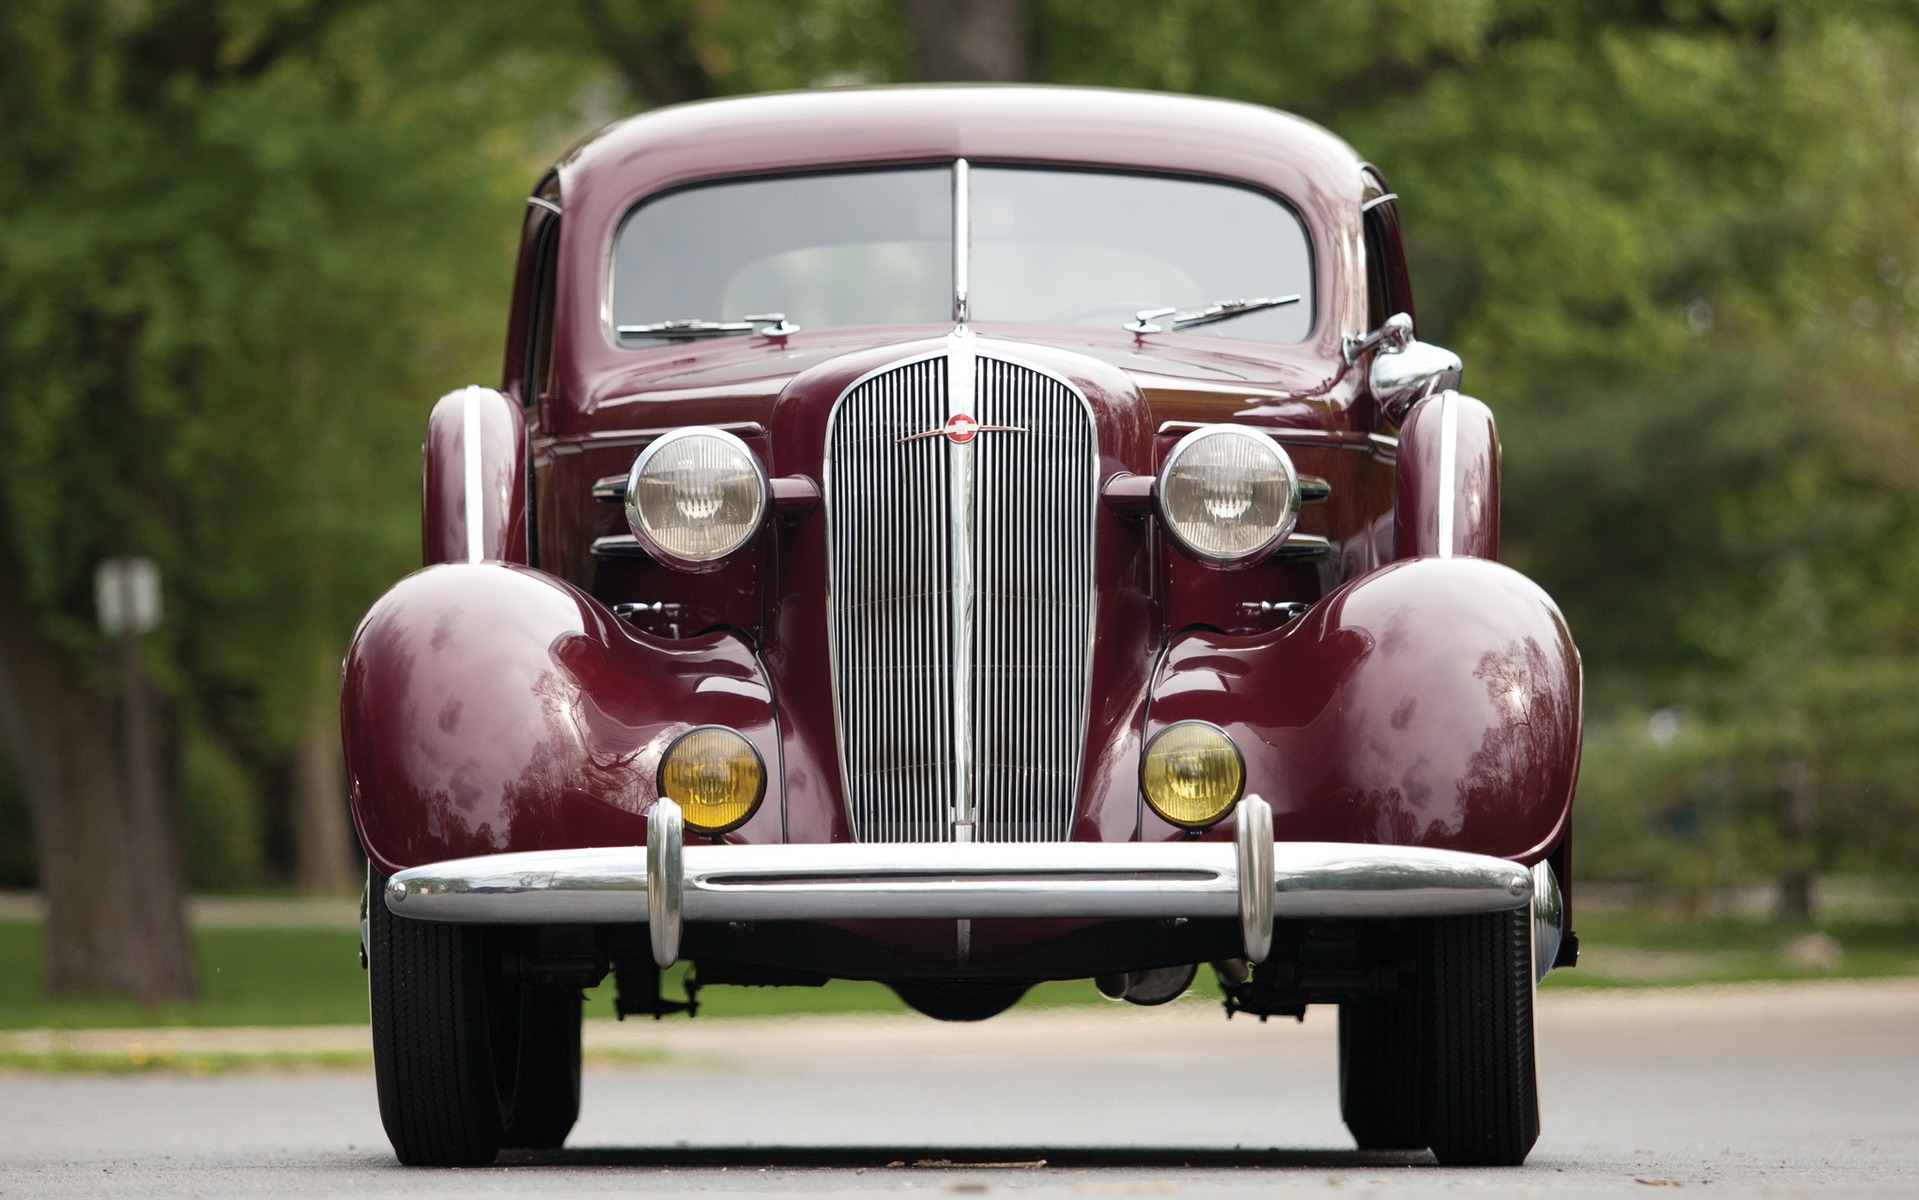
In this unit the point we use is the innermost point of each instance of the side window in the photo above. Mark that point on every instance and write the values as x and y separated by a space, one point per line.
538 376
1388 286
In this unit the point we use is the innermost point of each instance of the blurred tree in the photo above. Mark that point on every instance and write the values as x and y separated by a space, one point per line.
239 258
969 40
1675 242
669 51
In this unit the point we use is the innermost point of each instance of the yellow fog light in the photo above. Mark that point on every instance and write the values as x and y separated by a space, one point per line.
715 776
1192 773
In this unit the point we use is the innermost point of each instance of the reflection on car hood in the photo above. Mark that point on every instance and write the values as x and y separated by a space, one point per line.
763 366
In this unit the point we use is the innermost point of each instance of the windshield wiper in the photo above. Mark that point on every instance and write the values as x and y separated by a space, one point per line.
1188 318
765 324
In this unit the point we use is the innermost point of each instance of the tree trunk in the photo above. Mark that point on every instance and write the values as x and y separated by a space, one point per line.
969 40
1797 799
651 44
325 860
109 862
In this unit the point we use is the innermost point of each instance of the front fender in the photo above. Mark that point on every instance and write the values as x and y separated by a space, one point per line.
1433 702
489 707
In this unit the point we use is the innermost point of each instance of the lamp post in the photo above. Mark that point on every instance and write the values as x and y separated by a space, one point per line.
127 599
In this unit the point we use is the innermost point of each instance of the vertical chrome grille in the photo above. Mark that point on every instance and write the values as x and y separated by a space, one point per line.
890 505
1034 493
890 577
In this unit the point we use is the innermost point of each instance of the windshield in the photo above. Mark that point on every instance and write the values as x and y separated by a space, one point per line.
1047 246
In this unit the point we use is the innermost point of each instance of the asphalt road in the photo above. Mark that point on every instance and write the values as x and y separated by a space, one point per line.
1752 1091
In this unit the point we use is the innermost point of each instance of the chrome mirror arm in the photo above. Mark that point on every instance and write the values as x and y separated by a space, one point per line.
1404 370
1396 334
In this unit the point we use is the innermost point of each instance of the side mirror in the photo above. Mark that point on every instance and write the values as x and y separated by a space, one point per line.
1404 370
1395 334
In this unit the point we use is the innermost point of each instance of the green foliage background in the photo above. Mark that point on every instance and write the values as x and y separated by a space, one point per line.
243 246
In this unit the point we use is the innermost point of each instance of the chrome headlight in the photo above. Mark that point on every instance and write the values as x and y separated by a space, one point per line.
1228 494
695 496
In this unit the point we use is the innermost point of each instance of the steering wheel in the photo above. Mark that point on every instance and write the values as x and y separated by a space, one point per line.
1086 312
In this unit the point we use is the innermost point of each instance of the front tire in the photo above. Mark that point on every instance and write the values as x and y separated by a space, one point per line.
432 1038
546 1085
1481 1093
1380 1068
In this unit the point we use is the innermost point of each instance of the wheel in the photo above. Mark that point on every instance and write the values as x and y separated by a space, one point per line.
1379 1070
432 1040
466 1060
546 1084
1481 1090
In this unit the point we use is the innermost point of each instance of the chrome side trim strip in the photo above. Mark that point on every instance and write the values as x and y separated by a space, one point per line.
470 449
1448 468
945 881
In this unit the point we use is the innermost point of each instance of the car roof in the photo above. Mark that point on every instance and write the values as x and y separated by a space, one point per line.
602 178
1065 125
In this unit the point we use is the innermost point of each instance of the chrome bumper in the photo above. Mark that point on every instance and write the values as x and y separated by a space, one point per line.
667 882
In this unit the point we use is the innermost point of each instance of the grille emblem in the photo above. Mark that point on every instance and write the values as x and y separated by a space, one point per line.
961 428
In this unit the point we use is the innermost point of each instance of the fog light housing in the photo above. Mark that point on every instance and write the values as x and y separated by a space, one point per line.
715 776
1192 773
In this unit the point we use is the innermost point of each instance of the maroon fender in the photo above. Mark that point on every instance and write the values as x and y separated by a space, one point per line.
1448 480
490 480
1434 702
491 707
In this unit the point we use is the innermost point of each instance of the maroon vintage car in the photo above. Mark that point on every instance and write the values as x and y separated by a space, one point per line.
962 537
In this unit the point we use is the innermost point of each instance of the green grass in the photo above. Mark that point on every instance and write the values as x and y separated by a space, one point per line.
86 1062
313 976
247 977
1641 949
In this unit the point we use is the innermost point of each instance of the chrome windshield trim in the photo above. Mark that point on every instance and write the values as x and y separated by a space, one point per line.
962 237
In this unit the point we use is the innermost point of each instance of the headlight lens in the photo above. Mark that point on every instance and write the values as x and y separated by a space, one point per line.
1229 494
1192 773
715 776
695 496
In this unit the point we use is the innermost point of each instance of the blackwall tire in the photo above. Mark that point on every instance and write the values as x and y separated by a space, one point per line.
1379 1070
1481 1091
432 1046
546 1089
